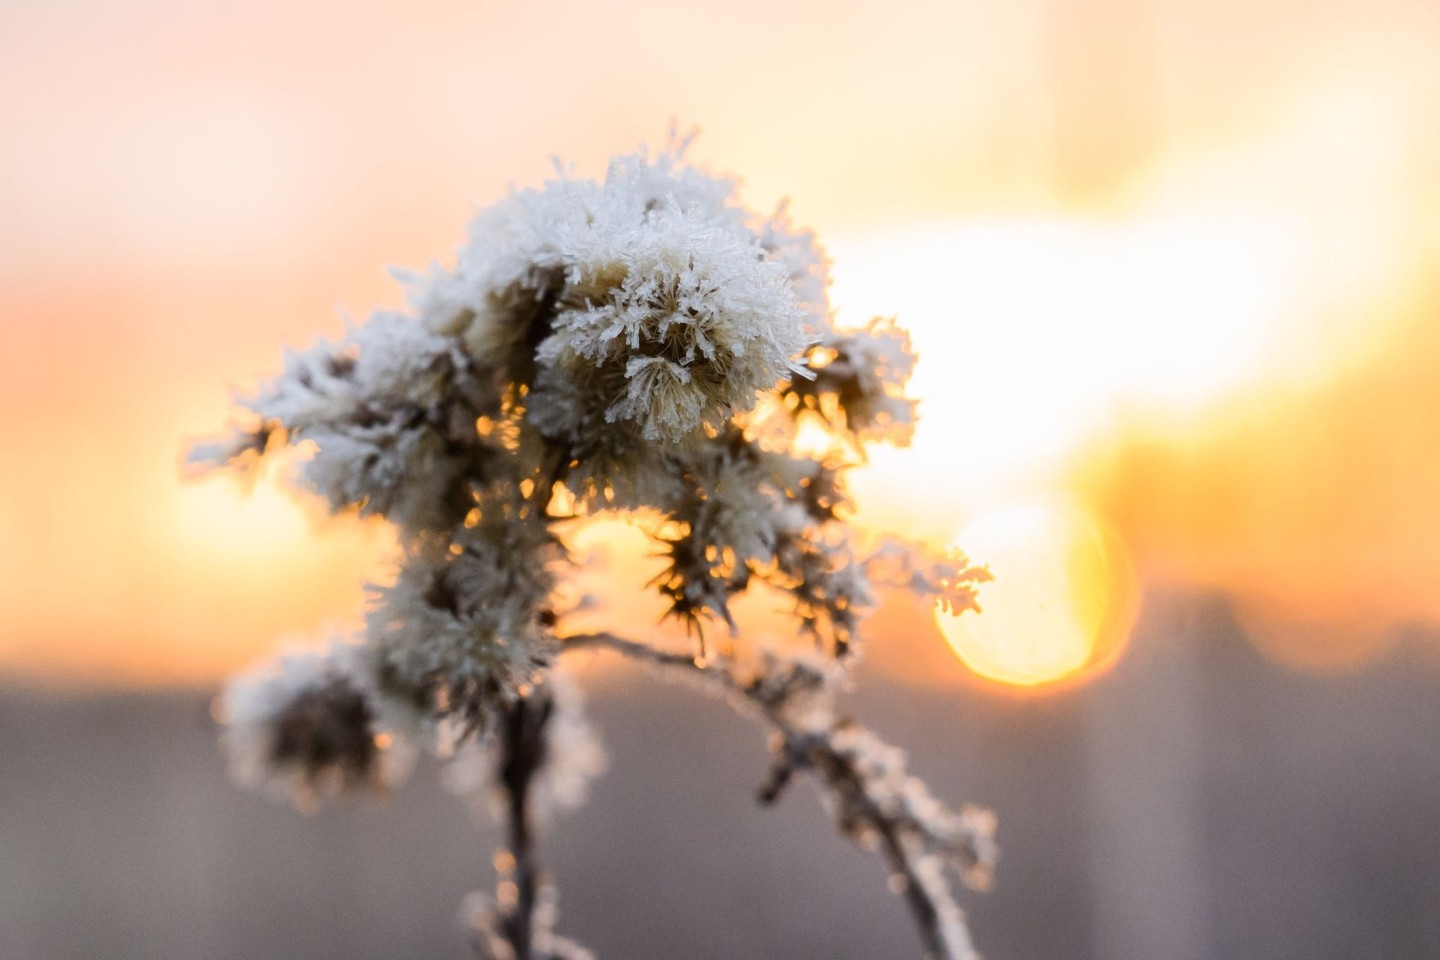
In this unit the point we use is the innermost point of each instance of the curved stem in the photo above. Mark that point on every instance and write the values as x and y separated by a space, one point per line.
937 917
922 908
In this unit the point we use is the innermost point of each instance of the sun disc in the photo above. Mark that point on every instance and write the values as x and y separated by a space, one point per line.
1062 602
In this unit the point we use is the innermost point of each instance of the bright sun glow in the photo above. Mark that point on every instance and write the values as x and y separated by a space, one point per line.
1062 602
1034 338
1033 335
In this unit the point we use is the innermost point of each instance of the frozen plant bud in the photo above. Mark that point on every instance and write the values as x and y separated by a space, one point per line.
806 263
676 323
859 382
465 619
305 727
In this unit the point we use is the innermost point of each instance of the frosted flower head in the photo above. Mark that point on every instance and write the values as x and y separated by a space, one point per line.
388 416
859 382
655 181
466 620
805 263
608 468
675 323
305 727
947 576
651 289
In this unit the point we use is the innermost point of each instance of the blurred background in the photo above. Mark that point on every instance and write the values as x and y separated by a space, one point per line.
1169 267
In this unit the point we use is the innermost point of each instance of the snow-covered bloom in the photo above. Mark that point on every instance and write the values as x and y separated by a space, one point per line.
831 591
944 575
641 343
466 619
676 322
650 289
305 726
732 509
389 412
609 468
809 269
859 382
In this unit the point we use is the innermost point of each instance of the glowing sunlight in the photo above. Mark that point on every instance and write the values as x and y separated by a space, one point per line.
1062 602
1034 337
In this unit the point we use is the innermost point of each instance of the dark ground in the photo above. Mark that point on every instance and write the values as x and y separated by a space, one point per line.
1197 802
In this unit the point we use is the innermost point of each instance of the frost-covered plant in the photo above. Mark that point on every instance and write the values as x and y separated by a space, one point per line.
641 345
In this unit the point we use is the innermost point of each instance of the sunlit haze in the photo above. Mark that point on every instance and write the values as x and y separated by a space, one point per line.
1177 284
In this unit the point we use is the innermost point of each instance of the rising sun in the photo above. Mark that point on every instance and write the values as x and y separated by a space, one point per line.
1062 602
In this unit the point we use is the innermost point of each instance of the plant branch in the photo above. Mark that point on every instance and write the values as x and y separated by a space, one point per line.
941 941
875 803
522 753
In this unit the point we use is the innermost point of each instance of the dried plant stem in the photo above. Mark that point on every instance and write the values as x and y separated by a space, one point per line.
923 909
522 753
938 919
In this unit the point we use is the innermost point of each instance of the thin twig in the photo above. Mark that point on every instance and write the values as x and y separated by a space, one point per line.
937 917
842 778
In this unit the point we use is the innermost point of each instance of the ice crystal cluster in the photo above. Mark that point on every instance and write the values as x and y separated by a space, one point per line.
641 346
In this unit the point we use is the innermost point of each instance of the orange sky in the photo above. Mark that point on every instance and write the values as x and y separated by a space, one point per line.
1315 506
187 187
